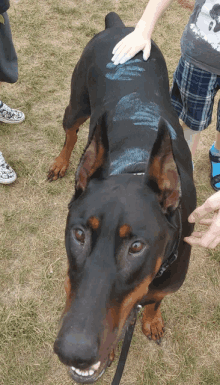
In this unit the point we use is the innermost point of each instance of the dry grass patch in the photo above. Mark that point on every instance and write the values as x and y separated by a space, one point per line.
49 37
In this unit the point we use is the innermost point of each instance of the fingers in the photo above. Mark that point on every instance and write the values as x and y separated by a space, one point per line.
214 243
126 54
129 46
121 49
123 54
146 55
211 204
146 51
199 213
117 46
192 240
208 240
200 242
206 221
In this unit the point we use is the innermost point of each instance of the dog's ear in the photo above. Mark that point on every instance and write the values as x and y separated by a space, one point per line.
93 157
162 174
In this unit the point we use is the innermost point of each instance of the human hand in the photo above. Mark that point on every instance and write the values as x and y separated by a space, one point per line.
131 44
211 237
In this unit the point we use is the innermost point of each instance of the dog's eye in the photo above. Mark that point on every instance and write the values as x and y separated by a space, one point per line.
79 235
136 247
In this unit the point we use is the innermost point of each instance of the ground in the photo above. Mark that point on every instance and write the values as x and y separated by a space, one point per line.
49 37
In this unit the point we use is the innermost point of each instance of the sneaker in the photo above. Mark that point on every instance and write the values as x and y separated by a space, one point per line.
7 175
8 115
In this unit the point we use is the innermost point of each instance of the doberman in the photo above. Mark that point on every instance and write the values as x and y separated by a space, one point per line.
134 191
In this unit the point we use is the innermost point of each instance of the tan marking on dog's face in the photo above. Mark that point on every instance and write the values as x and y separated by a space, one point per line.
69 295
136 296
124 231
158 264
94 223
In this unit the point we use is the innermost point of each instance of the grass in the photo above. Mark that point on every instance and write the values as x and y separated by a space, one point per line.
49 37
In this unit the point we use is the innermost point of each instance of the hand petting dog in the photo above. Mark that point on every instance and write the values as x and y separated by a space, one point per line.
131 44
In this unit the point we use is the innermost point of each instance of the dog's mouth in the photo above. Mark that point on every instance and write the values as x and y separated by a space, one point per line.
94 372
91 374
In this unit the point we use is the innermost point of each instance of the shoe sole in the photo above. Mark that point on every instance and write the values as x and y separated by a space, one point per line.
3 181
12 122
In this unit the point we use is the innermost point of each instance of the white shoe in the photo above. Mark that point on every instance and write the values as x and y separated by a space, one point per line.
9 115
7 174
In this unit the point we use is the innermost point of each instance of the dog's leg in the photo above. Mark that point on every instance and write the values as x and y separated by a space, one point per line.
61 163
152 322
76 113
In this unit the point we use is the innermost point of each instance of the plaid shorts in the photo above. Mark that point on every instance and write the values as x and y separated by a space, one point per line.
192 95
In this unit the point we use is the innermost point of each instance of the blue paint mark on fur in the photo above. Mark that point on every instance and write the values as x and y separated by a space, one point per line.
142 114
129 157
131 107
132 61
172 131
126 71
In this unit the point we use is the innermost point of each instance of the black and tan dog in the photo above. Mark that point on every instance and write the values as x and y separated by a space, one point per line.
133 193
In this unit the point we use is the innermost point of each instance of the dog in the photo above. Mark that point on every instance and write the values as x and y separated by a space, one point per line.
134 191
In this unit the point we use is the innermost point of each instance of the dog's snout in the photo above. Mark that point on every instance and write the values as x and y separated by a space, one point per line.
77 349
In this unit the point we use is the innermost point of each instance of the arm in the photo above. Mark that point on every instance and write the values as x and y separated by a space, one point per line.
140 38
211 237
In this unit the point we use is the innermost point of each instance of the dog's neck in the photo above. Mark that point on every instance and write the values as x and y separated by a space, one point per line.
132 160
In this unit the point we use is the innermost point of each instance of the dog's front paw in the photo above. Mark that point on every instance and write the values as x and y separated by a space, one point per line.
111 357
58 169
153 328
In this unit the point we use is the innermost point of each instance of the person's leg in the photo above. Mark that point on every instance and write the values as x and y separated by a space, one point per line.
192 96
10 115
7 174
217 142
192 137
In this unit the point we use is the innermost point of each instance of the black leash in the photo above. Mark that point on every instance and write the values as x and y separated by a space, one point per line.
125 348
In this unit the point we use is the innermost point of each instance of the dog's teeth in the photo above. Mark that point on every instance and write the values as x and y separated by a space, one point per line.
86 373
96 366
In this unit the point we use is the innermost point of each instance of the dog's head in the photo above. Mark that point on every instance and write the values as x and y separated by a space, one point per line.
117 234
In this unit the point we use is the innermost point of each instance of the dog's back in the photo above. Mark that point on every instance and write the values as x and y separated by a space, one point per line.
132 97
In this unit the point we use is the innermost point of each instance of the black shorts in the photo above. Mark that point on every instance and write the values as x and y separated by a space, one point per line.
8 57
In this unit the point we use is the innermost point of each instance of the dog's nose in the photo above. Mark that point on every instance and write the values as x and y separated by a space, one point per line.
76 349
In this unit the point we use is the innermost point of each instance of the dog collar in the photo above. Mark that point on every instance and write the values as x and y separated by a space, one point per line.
138 173
174 255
